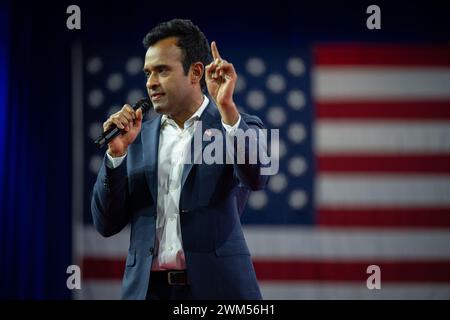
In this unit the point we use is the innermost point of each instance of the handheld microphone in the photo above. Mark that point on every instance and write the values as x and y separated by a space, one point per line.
145 104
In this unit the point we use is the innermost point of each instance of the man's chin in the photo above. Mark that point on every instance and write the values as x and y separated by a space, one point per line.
159 108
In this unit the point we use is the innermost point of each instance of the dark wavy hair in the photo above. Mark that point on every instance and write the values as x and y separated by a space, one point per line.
191 41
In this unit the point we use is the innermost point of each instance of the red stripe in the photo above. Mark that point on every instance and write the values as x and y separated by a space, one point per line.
103 268
388 217
270 270
398 164
383 110
406 55
431 271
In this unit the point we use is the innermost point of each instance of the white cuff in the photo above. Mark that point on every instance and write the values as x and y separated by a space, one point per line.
231 130
114 162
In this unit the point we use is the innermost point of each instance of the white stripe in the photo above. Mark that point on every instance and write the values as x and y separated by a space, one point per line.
381 136
312 243
96 245
375 190
302 290
100 290
293 290
348 244
380 83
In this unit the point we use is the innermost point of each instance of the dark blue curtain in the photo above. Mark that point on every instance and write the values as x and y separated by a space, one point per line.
4 53
35 167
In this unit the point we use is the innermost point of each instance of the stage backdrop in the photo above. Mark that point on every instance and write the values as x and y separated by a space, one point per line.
364 151
364 166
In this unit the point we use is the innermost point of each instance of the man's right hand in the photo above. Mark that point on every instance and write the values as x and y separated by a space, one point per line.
128 120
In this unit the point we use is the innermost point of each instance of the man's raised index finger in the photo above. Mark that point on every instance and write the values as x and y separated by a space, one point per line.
215 52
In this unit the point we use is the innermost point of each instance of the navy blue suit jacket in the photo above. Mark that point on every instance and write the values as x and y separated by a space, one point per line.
212 200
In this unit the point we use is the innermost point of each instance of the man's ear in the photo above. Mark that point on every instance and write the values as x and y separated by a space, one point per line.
197 70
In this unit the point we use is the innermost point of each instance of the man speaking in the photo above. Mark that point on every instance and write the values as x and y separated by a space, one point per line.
186 237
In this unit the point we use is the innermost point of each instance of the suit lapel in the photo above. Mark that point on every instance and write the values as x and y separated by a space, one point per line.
209 119
150 148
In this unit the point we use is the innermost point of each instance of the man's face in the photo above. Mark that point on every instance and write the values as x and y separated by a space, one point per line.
167 85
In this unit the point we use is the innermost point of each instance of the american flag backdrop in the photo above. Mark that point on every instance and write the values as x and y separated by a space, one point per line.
364 173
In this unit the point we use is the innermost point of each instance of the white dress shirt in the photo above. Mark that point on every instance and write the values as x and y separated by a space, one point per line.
173 143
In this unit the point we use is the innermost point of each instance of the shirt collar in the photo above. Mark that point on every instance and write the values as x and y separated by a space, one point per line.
197 114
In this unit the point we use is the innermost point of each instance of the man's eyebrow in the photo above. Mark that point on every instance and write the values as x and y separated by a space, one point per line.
164 66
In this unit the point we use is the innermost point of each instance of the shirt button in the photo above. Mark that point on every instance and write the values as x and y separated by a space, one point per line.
170 248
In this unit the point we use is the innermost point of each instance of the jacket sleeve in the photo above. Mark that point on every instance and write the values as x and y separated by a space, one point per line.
247 170
110 200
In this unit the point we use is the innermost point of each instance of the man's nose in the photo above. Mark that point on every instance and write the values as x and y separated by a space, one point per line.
152 82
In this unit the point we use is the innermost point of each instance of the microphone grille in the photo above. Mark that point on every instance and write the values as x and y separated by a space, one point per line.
145 104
